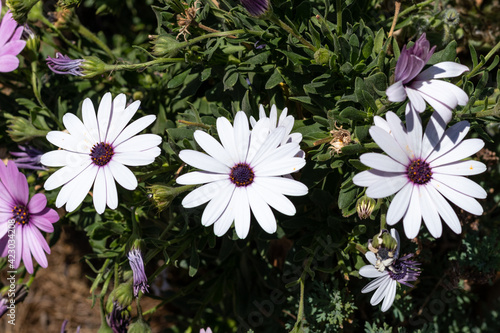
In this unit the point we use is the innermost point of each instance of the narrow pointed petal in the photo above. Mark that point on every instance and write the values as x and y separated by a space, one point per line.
462 168
390 294
372 285
203 161
204 193
382 162
396 92
430 213
213 148
461 184
441 70
261 210
387 187
242 218
369 271
445 210
399 205
464 149
217 205
387 143
413 217
461 200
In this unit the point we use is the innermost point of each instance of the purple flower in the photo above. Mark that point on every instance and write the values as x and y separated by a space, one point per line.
140 278
118 319
10 42
3 306
421 87
63 327
27 217
28 158
62 64
256 7
401 270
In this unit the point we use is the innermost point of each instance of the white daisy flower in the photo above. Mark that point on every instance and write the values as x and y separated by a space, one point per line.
422 170
242 174
96 152
421 86
402 270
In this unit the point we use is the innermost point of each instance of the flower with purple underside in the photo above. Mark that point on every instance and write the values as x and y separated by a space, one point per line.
421 86
10 42
28 158
118 319
137 264
401 270
95 152
208 330
243 175
256 7
27 216
63 64
422 169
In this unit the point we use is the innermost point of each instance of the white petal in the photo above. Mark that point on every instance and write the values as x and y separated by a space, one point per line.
138 158
64 175
90 119
283 185
283 152
390 294
452 137
280 167
226 136
138 143
445 210
261 210
68 142
382 123
268 147
462 168
200 177
204 193
241 135
121 116
242 218
396 92
387 186
461 200
224 222
371 257
382 162
398 132
387 143
213 148
99 193
430 213
218 204
414 131
275 199
133 129
79 131
416 99
395 235
203 161
104 115
58 158
433 134
399 205
111 193
413 217
273 116
123 175
369 177
372 285
442 70
369 271
464 149
258 137
461 184
380 293
441 101
79 187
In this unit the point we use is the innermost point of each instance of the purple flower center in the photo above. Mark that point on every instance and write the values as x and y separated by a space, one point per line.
403 270
419 171
20 214
101 153
242 175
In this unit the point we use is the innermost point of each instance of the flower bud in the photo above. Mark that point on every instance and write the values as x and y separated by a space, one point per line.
322 56
122 295
165 45
68 3
92 66
385 248
20 9
139 326
21 129
365 206
162 195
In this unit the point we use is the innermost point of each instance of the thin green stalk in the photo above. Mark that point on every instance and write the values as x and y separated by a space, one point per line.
481 63
300 314
415 6
114 67
289 29
61 36
36 91
338 9
90 36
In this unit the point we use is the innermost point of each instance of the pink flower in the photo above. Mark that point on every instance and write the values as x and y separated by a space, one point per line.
21 220
10 42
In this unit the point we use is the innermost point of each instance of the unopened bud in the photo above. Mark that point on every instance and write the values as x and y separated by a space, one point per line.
365 206
21 129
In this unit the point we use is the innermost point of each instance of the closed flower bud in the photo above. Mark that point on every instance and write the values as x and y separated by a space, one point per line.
122 295
139 326
165 45
364 207
20 9
162 195
21 129
322 56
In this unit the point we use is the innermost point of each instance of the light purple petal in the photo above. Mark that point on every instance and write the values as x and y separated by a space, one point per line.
442 70
396 92
37 203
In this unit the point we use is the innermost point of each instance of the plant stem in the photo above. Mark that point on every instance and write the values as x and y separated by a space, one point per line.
300 314
415 6
338 9
292 32
36 91
90 36
481 63
395 19
114 67
56 30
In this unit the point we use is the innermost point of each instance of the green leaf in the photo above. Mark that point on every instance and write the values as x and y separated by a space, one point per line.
178 80
274 79
448 54
194 262
353 114
258 59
